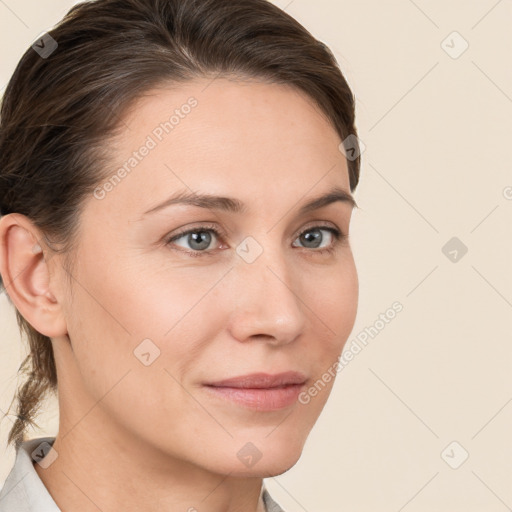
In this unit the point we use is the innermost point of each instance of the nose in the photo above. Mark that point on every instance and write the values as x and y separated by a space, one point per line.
267 300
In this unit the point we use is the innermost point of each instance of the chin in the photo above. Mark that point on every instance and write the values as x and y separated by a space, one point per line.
272 461
277 468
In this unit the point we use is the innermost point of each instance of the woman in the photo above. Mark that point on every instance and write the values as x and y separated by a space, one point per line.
175 191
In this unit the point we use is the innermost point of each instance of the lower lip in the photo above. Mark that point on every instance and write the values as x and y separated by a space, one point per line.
265 399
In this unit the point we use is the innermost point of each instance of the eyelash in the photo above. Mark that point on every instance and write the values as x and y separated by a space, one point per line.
338 235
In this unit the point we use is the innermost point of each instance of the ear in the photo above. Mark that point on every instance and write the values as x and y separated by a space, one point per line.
25 274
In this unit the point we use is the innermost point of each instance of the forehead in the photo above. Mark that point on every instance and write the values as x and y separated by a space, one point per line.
249 139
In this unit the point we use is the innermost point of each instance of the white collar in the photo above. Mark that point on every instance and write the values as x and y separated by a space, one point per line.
23 490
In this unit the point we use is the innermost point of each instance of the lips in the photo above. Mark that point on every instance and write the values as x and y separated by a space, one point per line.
259 391
261 381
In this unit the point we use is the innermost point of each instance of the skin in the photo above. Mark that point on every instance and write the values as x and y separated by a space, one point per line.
134 437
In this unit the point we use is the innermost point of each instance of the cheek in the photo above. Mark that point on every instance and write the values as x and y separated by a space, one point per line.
344 308
334 302
127 366
333 311
140 322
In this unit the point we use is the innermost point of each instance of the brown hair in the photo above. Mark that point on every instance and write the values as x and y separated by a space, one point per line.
59 111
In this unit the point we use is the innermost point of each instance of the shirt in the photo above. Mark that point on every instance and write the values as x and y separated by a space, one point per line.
24 491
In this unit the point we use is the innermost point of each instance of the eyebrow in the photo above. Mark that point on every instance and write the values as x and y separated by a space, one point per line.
230 204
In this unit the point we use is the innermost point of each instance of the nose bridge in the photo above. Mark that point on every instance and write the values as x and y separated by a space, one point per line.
268 302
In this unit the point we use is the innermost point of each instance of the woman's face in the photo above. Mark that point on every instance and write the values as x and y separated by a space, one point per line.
152 321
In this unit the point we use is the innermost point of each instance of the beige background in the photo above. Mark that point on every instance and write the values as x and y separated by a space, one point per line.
436 165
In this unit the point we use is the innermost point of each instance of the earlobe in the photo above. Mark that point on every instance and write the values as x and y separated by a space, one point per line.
26 277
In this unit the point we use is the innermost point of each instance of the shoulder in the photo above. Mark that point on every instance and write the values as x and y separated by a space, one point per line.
23 490
270 504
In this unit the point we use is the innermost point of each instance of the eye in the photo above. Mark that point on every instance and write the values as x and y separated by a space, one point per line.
199 239
313 237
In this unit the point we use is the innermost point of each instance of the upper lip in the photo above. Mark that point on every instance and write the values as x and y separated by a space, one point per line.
261 380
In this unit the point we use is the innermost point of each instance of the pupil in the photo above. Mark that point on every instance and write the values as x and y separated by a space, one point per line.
315 235
197 236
